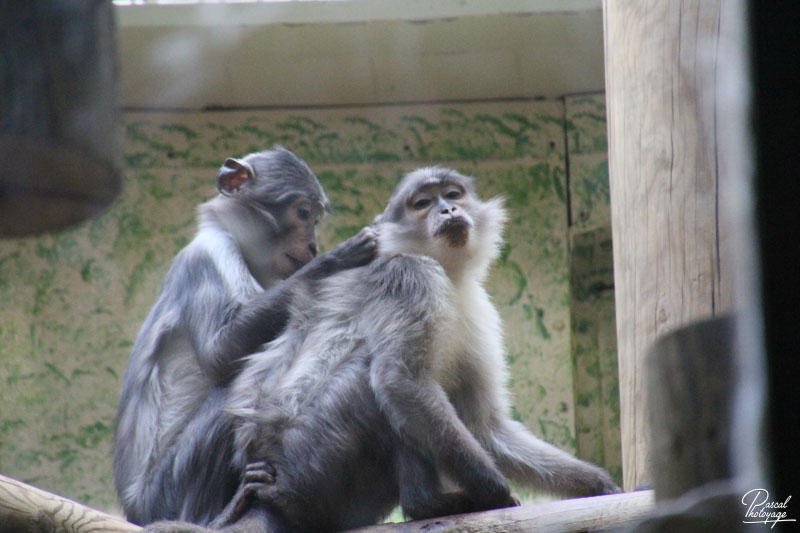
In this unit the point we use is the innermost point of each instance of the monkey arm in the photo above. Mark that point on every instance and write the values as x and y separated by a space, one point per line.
414 403
223 331
420 414
239 329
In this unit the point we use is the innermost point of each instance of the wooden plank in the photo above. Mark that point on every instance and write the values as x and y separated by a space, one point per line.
26 508
661 92
580 514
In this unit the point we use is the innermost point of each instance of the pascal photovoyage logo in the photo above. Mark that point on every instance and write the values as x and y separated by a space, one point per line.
760 509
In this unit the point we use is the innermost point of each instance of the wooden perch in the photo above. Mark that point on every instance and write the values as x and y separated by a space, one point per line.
24 508
582 514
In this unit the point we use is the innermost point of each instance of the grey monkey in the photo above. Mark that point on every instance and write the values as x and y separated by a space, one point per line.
226 294
388 384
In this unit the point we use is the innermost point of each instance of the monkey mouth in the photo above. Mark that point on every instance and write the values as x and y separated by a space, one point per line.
296 263
455 230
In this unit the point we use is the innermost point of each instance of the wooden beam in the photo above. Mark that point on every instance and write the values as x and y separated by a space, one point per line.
664 166
581 514
26 508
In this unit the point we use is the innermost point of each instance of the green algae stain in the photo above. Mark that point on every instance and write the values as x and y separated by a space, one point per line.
86 270
520 281
540 327
187 132
139 275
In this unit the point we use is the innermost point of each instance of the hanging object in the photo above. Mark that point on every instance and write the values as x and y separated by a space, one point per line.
60 143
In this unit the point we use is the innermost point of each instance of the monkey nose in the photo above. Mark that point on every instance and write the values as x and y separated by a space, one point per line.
448 210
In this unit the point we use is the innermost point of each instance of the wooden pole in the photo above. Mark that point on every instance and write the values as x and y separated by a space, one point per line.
24 508
60 130
661 66
690 383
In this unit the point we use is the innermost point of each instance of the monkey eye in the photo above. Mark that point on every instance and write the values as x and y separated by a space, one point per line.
453 194
304 213
422 203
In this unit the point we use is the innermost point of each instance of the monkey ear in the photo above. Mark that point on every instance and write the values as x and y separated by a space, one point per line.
233 174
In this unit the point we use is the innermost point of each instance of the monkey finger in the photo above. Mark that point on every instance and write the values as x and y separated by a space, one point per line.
368 234
260 465
259 473
259 491
259 476
357 250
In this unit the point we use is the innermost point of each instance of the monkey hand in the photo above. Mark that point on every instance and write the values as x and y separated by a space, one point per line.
510 501
356 251
600 482
258 477
493 493
607 486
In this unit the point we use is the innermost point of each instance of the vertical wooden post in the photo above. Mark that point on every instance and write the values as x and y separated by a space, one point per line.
60 130
661 58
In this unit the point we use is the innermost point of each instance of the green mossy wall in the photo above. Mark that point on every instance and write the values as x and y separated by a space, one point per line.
593 326
73 302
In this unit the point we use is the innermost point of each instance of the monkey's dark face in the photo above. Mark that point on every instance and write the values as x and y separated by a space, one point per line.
295 236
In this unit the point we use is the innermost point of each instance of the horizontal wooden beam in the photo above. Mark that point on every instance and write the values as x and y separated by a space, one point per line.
581 514
27 508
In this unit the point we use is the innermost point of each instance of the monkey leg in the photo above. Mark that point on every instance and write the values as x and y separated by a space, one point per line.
195 475
414 405
421 493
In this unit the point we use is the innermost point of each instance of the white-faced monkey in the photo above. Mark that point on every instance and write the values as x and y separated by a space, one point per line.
388 384
225 295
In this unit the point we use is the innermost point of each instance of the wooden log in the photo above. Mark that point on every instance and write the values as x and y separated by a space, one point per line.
582 514
690 382
661 92
24 509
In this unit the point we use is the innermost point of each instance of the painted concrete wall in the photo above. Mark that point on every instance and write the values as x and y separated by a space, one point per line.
73 302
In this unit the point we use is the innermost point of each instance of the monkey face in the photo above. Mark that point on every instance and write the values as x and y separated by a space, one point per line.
295 236
443 206
436 212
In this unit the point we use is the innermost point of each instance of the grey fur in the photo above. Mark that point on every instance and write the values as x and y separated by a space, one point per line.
388 384
222 298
